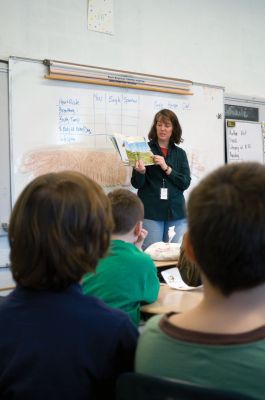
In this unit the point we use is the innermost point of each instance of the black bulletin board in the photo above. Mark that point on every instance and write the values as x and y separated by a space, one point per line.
241 113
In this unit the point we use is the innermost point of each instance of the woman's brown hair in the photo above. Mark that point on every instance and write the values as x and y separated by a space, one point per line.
166 115
59 228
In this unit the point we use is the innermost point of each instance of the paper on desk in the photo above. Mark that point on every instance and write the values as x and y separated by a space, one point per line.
173 279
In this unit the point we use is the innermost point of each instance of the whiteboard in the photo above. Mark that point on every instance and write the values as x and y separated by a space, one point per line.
5 202
244 141
45 114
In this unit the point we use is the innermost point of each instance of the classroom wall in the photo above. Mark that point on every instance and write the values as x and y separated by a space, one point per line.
209 41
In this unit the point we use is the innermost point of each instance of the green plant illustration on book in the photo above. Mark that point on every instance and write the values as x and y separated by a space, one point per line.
132 149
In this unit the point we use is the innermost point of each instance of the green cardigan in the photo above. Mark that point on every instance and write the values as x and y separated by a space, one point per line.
150 183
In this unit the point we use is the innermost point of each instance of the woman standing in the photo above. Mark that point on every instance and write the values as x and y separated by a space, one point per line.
161 186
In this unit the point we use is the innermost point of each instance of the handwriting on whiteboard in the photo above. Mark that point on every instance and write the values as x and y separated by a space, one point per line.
105 113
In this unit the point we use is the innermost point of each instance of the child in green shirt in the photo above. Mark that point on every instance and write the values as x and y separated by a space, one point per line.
126 277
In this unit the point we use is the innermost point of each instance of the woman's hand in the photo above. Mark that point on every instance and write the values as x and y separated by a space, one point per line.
140 167
159 160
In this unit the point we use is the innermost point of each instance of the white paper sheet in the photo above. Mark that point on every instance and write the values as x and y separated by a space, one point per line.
173 279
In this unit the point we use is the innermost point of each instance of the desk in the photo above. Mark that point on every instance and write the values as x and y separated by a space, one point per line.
173 300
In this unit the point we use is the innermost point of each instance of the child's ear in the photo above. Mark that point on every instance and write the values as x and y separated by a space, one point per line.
188 248
138 228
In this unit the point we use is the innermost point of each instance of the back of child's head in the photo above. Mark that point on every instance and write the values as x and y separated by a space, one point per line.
127 210
59 228
226 218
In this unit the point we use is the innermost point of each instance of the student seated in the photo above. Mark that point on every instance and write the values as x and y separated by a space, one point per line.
220 342
127 276
56 343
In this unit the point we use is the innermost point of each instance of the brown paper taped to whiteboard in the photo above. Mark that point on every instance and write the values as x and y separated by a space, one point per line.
104 167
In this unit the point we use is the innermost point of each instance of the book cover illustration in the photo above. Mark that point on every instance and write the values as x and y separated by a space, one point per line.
132 149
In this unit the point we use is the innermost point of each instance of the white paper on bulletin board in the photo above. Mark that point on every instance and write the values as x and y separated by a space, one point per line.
244 141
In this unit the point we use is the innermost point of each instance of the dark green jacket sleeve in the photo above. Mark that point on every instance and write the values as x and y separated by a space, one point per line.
180 177
138 180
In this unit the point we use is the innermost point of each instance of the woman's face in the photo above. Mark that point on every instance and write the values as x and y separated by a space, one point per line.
164 130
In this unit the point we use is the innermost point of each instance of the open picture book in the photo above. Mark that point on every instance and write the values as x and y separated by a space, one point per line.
132 149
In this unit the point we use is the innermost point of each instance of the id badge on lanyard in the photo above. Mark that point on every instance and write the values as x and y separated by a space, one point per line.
164 191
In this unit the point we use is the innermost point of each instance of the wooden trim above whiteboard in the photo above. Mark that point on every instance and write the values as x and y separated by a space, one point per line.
110 77
118 84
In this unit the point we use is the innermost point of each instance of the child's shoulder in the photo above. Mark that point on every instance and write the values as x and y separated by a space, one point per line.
131 251
145 258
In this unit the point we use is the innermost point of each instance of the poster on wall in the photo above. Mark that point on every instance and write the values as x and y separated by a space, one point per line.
100 16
